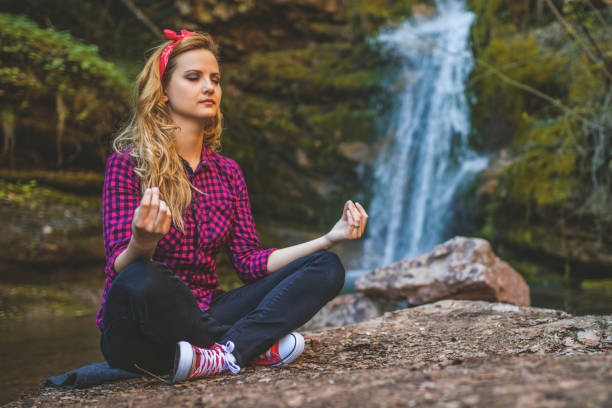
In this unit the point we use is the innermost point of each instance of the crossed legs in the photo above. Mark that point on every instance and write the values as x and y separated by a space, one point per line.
148 310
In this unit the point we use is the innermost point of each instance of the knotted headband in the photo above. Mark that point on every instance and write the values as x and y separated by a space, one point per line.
163 60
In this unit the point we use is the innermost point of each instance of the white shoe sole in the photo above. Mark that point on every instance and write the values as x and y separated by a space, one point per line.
183 360
295 353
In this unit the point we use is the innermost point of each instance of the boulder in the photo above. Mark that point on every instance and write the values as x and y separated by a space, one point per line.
347 310
461 268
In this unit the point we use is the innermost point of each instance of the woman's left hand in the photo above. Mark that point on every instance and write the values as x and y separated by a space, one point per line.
350 226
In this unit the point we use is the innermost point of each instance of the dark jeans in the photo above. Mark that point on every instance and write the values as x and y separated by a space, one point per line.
148 310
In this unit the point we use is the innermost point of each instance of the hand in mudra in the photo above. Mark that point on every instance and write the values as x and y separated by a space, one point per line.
351 225
151 220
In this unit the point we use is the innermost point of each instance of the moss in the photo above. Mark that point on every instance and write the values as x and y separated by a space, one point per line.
502 111
545 174
320 72
367 16
602 285
78 182
59 89
36 301
546 187
30 194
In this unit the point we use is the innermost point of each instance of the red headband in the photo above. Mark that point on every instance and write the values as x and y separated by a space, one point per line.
163 61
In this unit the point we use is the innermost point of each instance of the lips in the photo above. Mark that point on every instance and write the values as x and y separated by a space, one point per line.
208 102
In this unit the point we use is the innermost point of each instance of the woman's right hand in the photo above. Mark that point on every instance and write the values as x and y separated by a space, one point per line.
151 220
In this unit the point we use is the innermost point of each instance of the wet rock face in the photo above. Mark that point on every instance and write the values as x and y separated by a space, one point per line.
50 232
452 353
461 268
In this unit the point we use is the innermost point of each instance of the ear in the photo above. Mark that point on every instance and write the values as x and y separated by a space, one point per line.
165 98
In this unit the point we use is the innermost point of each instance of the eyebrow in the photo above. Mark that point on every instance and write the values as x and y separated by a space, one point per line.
199 72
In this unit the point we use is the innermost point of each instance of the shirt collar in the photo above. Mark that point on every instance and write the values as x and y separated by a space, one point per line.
205 157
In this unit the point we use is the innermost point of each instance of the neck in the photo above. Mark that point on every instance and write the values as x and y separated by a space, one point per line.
189 139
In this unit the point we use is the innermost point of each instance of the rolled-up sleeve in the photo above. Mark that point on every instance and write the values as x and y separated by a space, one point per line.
244 249
120 197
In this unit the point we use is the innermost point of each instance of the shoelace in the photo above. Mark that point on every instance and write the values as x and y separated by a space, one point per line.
215 360
270 356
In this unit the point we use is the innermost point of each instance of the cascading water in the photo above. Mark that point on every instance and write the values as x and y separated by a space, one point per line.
427 158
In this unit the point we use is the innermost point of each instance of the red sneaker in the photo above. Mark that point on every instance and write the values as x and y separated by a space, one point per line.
193 362
283 351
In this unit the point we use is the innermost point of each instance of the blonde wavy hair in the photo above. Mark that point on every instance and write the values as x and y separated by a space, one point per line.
149 135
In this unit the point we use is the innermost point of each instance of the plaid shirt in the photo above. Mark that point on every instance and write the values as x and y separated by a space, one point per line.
220 218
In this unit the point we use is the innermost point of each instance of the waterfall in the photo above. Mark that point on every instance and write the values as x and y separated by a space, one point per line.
426 159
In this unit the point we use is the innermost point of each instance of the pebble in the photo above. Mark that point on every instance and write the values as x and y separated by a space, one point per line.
589 337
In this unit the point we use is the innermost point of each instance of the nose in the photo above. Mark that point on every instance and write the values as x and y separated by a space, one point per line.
207 86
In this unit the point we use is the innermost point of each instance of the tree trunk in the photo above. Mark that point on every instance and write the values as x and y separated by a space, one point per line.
539 9
8 130
140 16
61 127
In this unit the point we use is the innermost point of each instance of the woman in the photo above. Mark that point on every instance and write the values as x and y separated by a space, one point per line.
170 203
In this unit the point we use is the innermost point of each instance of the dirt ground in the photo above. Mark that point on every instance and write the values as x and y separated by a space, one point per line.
447 354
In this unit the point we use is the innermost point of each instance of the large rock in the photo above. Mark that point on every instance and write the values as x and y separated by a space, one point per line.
347 310
461 268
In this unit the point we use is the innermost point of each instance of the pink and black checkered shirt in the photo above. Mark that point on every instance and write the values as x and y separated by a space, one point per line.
222 218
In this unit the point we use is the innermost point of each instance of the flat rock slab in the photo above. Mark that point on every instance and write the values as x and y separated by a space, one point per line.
451 353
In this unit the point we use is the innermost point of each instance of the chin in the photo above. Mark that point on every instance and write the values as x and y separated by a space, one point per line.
206 120
203 115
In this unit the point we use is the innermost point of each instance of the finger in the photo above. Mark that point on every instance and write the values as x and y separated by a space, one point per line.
364 217
161 217
344 211
153 210
361 210
356 217
145 204
359 220
146 197
351 222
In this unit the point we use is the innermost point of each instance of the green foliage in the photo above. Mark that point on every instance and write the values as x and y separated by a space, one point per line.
321 72
546 173
56 59
522 59
367 16
551 115
493 21
41 65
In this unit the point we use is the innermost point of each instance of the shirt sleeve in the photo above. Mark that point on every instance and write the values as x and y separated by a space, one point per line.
120 197
244 249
